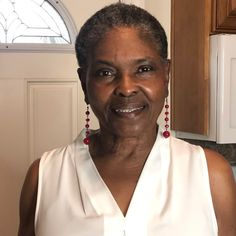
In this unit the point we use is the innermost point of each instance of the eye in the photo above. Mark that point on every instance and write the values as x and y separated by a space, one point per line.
104 73
144 69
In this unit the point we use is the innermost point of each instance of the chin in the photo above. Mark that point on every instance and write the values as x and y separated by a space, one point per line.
130 131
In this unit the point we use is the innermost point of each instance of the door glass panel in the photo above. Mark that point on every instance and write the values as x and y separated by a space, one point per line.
31 21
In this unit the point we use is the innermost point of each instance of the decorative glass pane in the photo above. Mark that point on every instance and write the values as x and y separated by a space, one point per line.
31 21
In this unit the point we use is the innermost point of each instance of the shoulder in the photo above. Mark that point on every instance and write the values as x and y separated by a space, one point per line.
28 200
184 148
219 170
52 161
223 190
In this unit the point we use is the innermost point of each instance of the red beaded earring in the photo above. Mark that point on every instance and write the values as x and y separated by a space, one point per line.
166 133
87 132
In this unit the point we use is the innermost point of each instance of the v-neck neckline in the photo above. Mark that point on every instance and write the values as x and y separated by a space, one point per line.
102 198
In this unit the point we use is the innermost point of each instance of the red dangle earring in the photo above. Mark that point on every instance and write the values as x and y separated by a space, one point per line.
87 132
166 133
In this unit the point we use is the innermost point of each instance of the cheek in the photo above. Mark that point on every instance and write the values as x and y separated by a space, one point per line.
94 92
157 92
98 97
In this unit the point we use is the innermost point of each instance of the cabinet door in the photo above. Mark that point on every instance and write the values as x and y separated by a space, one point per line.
226 112
224 16
190 27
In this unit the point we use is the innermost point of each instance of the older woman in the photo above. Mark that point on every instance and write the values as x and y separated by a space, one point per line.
127 178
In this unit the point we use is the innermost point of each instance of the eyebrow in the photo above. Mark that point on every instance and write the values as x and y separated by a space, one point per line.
108 63
136 61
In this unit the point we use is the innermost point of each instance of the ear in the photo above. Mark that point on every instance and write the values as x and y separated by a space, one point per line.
167 69
82 76
167 75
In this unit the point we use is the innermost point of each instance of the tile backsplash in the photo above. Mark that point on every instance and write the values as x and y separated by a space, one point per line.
227 150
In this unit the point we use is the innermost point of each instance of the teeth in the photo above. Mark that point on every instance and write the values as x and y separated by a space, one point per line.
128 110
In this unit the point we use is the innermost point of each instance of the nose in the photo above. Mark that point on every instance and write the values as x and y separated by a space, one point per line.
126 86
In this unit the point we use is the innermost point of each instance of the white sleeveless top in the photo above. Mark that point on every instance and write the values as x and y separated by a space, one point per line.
172 196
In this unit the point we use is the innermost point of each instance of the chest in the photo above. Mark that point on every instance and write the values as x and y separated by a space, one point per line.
121 184
91 208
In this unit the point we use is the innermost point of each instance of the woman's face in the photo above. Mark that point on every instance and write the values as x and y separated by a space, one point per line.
126 83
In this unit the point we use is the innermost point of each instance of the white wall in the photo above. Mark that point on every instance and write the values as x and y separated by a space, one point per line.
161 9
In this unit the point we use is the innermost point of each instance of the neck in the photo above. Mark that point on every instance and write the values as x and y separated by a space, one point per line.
106 145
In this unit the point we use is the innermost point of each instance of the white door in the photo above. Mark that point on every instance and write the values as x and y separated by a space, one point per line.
41 107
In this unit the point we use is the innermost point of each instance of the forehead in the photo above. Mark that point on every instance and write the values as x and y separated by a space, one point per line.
126 40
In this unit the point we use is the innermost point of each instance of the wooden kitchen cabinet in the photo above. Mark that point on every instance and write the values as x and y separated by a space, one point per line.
223 16
190 28
192 23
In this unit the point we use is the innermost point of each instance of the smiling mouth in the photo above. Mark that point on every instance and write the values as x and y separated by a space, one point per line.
128 110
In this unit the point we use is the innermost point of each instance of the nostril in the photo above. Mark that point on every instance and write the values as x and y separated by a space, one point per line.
126 92
126 87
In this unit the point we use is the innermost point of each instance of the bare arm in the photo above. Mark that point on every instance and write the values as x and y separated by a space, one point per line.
223 189
28 201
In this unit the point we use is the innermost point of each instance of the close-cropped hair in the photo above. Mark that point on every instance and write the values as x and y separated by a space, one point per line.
115 16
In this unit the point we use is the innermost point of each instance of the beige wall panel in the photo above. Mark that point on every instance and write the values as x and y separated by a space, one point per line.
52 114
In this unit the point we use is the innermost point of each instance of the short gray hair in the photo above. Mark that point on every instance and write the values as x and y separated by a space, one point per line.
118 15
